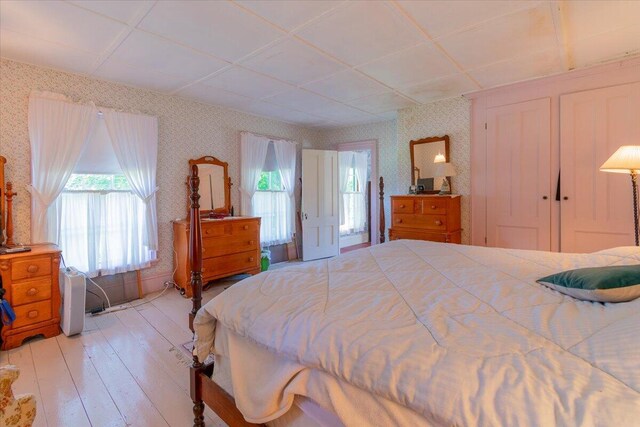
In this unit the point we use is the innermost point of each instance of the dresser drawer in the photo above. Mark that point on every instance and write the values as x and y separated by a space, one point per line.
32 267
29 314
230 263
31 291
214 229
433 206
399 233
402 205
212 247
428 222
245 228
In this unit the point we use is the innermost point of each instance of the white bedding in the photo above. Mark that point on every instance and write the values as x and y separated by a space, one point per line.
459 334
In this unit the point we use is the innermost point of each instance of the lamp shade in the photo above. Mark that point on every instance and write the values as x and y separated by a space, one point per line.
445 169
624 160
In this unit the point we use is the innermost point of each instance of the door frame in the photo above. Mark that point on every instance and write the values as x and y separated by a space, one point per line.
368 144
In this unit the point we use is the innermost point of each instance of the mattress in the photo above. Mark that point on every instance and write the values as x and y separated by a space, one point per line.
459 335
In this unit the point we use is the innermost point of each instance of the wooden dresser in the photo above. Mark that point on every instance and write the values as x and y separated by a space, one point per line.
32 288
229 246
426 217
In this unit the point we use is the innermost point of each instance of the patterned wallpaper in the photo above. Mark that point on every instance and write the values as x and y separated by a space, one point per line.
448 117
451 117
187 129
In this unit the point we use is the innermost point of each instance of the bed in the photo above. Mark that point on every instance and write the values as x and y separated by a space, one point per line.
419 333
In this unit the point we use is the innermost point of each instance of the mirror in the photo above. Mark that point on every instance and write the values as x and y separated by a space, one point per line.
426 153
215 186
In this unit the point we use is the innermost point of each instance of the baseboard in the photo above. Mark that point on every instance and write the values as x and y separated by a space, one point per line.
155 282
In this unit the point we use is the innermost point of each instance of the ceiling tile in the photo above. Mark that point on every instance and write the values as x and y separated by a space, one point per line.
149 52
282 113
343 113
119 71
389 115
293 62
216 27
415 64
300 99
289 14
382 103
246 82
503 38
216 96
440 17
526 67
346 85
43 53
61 23
124 11
361 32
587 18
607 46
444 87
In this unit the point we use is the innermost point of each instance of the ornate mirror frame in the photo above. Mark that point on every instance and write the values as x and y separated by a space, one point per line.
432 139
210 160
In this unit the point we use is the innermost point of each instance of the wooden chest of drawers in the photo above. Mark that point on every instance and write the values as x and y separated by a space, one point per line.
229 246
32 288
426 217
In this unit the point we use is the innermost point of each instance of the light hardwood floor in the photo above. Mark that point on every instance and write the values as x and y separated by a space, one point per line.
126 369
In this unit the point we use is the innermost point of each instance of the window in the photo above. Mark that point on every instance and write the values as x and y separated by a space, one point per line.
270 181
353 173
271 203
97 219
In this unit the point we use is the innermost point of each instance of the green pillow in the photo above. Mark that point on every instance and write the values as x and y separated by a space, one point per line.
604 284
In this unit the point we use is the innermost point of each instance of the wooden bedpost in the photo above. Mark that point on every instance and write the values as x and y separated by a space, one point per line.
382 219
195 259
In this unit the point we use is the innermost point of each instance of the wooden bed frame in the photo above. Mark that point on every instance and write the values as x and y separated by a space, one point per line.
203 389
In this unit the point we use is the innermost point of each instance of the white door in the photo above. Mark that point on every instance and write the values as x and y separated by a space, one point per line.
519 175
596 207
320 208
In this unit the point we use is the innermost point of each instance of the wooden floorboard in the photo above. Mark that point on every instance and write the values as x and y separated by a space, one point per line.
127 368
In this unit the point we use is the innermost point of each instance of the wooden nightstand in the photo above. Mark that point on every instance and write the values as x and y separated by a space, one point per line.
31 281
426 217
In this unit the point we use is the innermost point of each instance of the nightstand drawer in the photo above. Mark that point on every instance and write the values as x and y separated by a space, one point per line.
31 291
32 267
29 314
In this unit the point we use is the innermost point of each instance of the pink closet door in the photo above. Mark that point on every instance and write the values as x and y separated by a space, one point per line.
518 175
596 210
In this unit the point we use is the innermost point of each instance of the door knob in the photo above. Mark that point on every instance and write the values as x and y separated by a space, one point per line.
565 198
544 197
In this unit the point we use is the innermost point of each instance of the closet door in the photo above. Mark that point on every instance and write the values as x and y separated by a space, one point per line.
596 208
519 175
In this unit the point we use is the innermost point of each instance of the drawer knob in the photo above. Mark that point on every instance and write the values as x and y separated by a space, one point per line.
433 207
203 270
438 222
401 206
31 292
32 314
399 221
250 242
204 250
250 259
246 227
207 231
32 268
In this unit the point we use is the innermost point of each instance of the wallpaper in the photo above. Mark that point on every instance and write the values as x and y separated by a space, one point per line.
187 129
447 117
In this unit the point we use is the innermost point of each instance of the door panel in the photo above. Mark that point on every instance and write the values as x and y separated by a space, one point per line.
519 175
597 213
320 209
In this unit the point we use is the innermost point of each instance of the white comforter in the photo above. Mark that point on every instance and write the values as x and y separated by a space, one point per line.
462 335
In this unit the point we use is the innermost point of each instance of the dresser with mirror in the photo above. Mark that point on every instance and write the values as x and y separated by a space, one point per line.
230 244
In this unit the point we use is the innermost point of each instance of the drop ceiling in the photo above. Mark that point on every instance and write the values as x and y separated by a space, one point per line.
318 63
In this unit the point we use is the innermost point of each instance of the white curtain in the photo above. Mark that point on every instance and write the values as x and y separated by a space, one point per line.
274 209
361 165
102 233
135 142
286 157
345 161
58 131
253 152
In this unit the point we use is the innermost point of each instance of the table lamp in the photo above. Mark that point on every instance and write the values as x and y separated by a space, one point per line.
445 170
627 160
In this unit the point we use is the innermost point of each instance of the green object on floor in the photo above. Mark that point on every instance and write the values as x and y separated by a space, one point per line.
265 261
